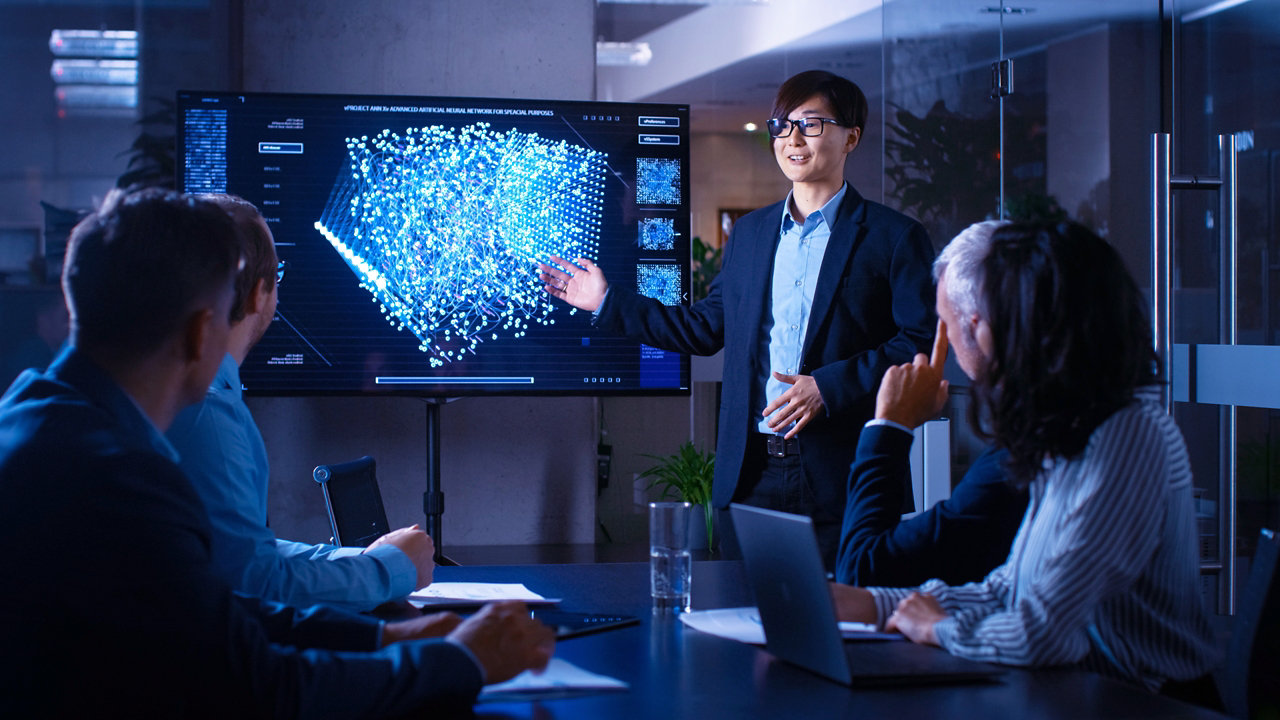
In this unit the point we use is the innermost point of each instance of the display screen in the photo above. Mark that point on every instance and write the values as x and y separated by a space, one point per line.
412 228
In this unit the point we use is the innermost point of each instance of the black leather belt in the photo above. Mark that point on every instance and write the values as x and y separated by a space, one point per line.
779 446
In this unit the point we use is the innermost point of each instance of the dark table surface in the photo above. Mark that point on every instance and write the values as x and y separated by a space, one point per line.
675 672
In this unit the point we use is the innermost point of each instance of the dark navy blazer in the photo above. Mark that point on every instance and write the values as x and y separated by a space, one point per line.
873 307
111 607
959 540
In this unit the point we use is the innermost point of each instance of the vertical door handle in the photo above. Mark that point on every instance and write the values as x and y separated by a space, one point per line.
1229 244
1161 277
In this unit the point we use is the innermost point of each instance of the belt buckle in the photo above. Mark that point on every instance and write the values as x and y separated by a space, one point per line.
776 446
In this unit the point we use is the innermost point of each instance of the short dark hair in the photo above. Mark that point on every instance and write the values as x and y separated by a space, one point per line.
258 251
137 266
1070 342
847 101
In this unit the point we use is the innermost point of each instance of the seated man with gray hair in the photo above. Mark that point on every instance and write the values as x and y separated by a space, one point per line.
1103 573
958 540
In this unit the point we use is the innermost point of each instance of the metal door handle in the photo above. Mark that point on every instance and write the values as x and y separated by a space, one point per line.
1163 182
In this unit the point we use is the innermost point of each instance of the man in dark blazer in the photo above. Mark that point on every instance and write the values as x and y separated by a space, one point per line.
966 536
817 296
111 606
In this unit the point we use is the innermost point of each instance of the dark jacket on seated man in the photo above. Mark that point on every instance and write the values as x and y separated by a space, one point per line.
958 540
112 608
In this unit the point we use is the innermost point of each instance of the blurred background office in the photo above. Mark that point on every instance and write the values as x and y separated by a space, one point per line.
1155 122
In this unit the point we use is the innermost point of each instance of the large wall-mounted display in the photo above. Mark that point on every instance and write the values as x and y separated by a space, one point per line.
413 226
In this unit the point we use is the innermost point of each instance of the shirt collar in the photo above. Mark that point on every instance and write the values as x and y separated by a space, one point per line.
228 377
826 213
76 369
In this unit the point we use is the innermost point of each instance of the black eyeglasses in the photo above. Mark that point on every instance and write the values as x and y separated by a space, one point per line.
280 268
809 126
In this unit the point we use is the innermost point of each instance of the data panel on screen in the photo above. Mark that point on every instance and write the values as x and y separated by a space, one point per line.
413 228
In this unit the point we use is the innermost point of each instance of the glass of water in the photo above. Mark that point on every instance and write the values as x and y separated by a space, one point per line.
670 565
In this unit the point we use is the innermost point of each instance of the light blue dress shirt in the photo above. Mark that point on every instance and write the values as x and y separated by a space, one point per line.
796 264
223 454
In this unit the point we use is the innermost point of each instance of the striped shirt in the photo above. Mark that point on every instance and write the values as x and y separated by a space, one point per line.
1103 572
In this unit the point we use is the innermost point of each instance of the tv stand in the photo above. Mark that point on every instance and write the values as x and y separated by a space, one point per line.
433 498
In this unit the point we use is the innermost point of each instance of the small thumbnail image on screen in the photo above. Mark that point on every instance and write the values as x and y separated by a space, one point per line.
657 234
660 282
657 181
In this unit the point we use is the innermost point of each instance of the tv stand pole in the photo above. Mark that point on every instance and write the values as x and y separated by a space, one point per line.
433 498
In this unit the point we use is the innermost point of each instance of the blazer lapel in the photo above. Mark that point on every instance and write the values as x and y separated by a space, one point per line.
763 246
847 231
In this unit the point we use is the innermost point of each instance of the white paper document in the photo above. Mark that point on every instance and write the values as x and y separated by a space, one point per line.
473 593
561 679
743 624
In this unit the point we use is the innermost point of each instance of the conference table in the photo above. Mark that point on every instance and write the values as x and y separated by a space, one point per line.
676 672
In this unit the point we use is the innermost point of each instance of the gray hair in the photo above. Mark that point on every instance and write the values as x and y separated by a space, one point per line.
961 262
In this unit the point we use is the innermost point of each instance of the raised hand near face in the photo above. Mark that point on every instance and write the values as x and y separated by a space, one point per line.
915 392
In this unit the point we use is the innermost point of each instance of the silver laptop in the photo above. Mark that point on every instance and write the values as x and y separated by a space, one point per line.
784 569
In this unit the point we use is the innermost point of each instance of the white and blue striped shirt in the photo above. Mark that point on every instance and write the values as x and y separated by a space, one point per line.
1103 572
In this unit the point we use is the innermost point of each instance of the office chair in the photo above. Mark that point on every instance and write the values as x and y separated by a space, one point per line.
354 503
1250 679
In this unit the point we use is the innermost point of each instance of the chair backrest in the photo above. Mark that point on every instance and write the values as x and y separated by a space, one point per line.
930 460
355 506
1250 679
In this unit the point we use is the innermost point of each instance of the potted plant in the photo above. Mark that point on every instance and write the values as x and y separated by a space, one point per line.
686 475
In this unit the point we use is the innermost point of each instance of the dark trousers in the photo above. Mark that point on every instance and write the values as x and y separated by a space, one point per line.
779 483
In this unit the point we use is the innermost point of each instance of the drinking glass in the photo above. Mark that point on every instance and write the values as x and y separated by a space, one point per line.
670 566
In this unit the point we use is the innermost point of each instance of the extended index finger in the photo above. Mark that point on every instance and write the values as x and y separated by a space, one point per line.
939 357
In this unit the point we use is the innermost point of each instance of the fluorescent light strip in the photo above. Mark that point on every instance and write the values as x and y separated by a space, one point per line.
682 2
94 72
623 54
94 43
1213 9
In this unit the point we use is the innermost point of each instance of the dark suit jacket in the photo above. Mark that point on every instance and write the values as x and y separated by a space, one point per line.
959 540
873 307
111 607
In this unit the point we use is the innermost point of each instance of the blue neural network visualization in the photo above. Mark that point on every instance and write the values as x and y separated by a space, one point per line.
660 282
657 234
445 227
657 181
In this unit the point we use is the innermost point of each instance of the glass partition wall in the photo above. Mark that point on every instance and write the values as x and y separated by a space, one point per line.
1074 128
1223 118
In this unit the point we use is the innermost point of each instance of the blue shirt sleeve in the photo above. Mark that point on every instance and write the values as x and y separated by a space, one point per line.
226 460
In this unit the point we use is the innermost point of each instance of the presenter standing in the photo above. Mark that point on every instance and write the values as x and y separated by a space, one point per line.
818 295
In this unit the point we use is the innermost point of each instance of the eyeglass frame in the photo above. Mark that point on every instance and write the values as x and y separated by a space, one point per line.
281 266
793 124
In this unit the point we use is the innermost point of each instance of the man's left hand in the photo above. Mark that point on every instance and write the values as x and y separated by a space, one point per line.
799 404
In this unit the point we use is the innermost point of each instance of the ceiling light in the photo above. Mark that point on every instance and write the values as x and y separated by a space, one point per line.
682 2
1213 9
95 72
94 43
623 53
751 127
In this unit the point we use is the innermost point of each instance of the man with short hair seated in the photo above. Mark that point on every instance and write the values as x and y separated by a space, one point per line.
112 607
223 455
